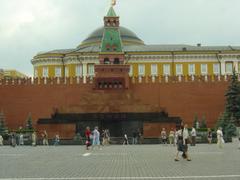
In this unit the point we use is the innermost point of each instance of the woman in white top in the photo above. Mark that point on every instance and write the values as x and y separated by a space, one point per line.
220 139
171 137
21 140
125 139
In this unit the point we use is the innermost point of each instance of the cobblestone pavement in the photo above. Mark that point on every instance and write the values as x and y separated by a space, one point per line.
118 162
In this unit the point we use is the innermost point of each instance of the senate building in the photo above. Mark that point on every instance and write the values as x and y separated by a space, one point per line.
143 59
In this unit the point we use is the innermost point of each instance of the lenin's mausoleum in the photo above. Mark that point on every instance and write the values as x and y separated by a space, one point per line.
114 80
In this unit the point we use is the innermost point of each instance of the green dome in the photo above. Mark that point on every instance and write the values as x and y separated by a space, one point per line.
128 38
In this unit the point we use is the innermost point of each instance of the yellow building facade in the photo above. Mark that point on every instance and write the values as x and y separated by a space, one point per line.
144 60
12 74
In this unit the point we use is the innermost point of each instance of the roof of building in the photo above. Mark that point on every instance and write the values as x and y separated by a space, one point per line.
127 36
57 51
148 48
164 48
178 47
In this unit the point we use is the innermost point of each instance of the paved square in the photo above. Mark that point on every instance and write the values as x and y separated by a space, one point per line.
118 162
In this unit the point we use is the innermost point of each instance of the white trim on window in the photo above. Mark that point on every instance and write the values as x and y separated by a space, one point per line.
204 69
141 69
229 68
179 69
91 70
154 69
216 68
58 72
79 70
166 69
191 69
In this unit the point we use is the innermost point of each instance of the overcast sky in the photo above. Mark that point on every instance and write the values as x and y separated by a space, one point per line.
30 26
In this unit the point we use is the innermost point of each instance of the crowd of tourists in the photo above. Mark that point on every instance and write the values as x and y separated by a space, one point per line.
180 137
15 139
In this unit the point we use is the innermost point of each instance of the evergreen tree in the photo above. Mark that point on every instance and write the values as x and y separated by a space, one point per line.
203 122
3 127
232 106
29 122
231 115
227 123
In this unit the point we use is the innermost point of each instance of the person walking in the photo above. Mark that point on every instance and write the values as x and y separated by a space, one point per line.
45 138
209 136
105 138
1 140
34 139
171 136
182 146
125 140
87 135
57 140
193 136
164 136
108 136
96 138
134 138
220 140
13 140
21 140
140 136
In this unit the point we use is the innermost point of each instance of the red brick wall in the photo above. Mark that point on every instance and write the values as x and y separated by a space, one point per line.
178 99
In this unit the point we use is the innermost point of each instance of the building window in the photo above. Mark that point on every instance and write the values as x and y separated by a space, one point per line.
91 69
35 73
229 68
131 70
179 69
66 72
204 69
45 72
78 71
191 69
141 69
58 72
216 69
106 61
154 69
166 69
116 61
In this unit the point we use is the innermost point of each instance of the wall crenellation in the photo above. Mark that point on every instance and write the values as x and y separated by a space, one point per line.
133 80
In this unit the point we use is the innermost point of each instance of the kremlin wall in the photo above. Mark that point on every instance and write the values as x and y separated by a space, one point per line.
178 96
